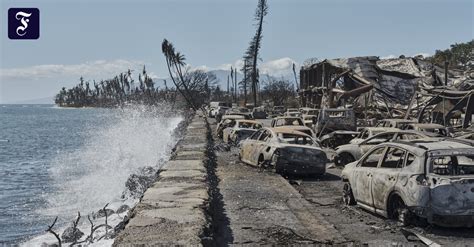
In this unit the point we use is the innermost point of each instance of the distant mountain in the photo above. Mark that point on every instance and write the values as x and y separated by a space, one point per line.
221 76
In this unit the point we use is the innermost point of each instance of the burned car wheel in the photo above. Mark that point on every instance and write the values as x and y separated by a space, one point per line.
397 210
347 195
261 161
273 163
343 159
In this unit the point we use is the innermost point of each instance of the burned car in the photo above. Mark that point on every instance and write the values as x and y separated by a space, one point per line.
292 112
240 130
348 153
259 113
278 110
468 136
309 115
246 115
399 123
338 138
294 123
219 112
309 120
436 129
227 121
286 150
432 180
368 132
214 106
309 111
330 120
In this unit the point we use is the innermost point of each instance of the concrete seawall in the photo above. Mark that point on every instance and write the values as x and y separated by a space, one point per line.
208 198
173 210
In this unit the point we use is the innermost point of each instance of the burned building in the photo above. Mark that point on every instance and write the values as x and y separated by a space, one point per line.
387 87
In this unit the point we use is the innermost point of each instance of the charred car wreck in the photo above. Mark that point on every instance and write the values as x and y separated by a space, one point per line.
411 167
400 130
433 180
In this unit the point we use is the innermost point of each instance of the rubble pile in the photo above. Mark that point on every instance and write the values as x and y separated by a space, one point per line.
388 88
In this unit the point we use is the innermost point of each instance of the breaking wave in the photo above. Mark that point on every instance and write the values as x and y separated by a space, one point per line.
95 172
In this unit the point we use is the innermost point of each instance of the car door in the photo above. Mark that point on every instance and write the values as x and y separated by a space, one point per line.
363 174
370 142
385 176
258 145
247 146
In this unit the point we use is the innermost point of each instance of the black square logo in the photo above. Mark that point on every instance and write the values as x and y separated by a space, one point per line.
23 23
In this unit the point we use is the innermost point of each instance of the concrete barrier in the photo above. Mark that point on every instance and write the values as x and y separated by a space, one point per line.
173 210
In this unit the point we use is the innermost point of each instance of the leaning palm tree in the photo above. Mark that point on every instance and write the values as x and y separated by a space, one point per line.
175 62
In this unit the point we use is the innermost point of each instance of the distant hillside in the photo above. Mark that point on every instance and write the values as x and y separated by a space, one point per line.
221 76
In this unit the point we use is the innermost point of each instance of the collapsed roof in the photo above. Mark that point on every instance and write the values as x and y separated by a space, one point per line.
394 80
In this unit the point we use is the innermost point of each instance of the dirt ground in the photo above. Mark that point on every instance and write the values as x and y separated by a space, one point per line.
353 225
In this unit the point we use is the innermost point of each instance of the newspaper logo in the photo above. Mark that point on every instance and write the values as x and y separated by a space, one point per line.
23 23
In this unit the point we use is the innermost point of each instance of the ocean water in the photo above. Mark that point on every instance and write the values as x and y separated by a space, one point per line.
58 161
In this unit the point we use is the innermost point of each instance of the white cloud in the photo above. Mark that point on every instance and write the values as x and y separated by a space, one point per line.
277 67
94 69
389 57
201 67
282 66
237 64
424 54
393 56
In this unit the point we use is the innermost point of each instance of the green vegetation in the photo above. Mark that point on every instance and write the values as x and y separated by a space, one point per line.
112 92
459 56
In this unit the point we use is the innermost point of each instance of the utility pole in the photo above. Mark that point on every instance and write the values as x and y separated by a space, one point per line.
245 83
296 78
232 81
235 85
446 63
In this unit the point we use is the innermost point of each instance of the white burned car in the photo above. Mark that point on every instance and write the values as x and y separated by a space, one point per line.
227 121
367 132
294 123
348 153
287 150
240 130
433 180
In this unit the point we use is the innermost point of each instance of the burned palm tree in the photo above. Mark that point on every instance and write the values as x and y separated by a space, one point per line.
251 55
175 63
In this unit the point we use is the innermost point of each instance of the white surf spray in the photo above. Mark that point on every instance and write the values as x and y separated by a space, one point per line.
95 173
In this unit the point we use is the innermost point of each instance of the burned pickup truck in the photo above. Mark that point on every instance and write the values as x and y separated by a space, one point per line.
330 120
424 179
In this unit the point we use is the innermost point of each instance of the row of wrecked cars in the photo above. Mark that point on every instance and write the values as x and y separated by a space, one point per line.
287 145
397 168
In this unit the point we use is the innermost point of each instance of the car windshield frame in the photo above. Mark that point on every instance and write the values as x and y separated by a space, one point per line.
300 122
283 138
450 164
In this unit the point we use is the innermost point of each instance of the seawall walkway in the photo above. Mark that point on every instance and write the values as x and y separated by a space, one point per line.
210 199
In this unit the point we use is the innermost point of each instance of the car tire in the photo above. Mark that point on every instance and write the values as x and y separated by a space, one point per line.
347 195
399 211
343 159
261 161
274 160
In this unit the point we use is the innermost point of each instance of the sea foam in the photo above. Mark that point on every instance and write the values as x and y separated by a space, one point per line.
95 173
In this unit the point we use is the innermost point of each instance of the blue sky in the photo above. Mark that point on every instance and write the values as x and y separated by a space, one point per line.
97 39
